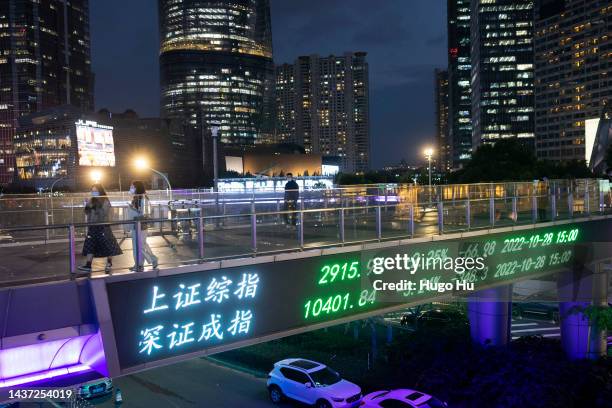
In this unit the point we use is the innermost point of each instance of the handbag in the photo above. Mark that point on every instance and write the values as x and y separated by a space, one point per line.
137 215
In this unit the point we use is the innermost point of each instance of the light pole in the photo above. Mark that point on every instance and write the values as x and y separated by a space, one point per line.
54 183
214 130
429 154
51 195
142 164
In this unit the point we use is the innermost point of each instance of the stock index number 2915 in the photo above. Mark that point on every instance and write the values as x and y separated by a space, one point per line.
337 272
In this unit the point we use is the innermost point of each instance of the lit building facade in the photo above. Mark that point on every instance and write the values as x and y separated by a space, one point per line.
459 89
216 66
61 147
573 44
322 104
44 62
442 125
502 70
286 108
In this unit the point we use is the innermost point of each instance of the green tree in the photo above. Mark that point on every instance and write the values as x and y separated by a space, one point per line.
512 160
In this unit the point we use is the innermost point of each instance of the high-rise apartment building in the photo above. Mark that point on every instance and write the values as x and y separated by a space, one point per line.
286 106
459 90
44 62
442 125
502 70
216 66
322 104
573 43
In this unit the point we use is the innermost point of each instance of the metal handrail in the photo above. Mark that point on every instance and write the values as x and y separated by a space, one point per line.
243 215
439 206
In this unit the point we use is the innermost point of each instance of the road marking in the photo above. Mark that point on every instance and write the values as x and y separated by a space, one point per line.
536 329
524 324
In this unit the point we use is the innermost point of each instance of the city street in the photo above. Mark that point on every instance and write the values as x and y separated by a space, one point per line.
201 383
194 383
534 327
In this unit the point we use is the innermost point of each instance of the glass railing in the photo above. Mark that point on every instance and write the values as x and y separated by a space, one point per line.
59 209
190 235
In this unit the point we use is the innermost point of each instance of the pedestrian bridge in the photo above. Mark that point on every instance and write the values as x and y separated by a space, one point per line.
64 327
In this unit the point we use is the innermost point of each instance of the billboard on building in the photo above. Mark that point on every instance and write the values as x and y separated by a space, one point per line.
95 143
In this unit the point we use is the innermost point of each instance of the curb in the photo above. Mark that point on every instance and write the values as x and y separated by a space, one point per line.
237 367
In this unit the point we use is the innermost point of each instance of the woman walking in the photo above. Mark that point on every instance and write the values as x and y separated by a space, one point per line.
138 211
100 241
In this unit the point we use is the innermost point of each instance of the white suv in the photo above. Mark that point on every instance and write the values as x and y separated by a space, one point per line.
311 383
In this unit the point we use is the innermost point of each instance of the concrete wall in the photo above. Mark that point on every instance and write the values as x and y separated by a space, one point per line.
46 312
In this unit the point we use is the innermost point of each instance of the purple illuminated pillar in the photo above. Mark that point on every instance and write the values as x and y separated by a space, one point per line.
490 313
578 289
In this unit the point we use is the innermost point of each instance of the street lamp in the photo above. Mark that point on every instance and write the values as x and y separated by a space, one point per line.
55 182
429 154
96 176
214 130
142 164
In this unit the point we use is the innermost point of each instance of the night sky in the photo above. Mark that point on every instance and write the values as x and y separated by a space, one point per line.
405 41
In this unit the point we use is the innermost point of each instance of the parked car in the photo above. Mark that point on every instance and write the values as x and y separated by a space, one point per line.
409 319
433 318
548 311
311 383
401 398
96 388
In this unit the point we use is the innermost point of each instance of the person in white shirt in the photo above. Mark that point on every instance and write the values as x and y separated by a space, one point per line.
138 209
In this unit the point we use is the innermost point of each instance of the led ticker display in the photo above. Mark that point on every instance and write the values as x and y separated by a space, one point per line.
95 144
163 317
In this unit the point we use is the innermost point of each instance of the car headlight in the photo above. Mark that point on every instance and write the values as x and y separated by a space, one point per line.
335 399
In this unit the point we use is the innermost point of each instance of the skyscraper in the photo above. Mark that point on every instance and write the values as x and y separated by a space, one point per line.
286 106
216 65
322 104
459 90
502 70
444 148
44 62
573 73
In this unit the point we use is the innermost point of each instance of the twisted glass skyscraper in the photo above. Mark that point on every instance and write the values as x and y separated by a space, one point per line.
216 65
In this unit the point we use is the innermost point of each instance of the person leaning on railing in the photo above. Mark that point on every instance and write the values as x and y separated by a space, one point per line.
543 196
100 241
292 195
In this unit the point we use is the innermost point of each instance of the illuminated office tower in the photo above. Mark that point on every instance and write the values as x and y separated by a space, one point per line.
459 90
286 109
44 62
444 148
573 45
216 66
502 70
322 104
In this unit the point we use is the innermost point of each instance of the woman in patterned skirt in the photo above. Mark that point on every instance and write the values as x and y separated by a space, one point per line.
100 241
